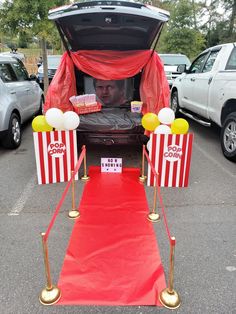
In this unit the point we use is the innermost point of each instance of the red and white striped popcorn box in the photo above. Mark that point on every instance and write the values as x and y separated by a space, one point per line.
170 155
56 155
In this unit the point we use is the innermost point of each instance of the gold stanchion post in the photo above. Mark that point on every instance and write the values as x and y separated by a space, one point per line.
51 293
85 177
169 297
153 215
142 178
73 213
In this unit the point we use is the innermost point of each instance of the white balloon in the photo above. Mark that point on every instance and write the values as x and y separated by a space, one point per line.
166 115
148 145
162 129
71 120
54 117
61 128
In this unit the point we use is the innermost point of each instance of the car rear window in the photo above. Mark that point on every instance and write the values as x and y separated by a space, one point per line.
231 65
53 62
175 60
6 73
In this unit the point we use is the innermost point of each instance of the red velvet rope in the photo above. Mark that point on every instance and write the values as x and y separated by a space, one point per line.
78 164
171 239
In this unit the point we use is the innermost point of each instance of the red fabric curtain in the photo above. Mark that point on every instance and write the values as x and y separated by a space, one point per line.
110 65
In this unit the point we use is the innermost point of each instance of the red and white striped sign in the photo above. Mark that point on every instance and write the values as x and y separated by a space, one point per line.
170 155
56 155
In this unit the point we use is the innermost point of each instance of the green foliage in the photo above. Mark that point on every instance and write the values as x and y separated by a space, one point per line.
193 24
23 16
24 39
219 27
180 34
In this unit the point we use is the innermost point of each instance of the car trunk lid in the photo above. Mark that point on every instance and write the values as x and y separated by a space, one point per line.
109 25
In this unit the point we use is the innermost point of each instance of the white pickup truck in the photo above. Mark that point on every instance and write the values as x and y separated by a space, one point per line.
206 92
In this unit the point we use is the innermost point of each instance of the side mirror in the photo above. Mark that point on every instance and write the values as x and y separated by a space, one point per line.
33 77
181 68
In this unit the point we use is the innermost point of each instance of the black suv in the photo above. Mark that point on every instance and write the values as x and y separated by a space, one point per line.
108 26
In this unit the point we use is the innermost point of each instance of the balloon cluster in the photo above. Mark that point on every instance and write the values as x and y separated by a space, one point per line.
55 118
164 122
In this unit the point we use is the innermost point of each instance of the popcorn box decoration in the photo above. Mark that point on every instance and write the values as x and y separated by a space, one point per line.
136 106
170 155
56 155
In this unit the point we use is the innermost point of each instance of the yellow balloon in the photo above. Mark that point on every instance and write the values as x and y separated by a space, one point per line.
179 126
39 124
150 121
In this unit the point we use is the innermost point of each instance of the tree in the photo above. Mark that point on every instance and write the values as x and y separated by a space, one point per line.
180 34
20 16
218 21
230 5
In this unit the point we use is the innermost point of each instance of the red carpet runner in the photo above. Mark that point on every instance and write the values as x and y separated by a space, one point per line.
113 257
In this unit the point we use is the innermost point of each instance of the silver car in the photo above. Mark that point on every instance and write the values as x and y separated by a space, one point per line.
20 99
53 63
171 63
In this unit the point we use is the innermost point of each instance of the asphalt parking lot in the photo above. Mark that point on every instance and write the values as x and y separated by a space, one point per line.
201 217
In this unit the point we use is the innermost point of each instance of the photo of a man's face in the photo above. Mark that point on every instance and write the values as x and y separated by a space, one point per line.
111 93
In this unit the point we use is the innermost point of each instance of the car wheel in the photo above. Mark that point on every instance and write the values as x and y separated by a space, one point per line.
13 138
175 102
228 137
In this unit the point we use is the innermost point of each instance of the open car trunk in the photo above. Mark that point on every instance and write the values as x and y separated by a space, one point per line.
110 41
111 125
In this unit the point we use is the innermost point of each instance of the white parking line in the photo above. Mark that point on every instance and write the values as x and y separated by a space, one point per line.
19 205
214 161
230 268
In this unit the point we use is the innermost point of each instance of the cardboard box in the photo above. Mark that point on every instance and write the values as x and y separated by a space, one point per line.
56 155
87 108
170 155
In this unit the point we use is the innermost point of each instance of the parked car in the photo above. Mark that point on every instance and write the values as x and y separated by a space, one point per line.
20 99
207 93
97 35
15 54
171 63
53 63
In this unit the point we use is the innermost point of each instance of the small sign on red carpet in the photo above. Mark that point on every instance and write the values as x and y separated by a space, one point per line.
113 165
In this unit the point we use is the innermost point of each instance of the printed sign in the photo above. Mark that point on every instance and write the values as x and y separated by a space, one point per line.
56 155
170 155
113 165
56 149
173 153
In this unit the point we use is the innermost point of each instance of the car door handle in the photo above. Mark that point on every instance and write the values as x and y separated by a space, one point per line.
27 89
12 92
192 79
210 79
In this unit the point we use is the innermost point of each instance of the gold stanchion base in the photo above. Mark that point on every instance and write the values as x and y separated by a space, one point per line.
170 300
85 178
142 178
154 217
50 296
73 214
